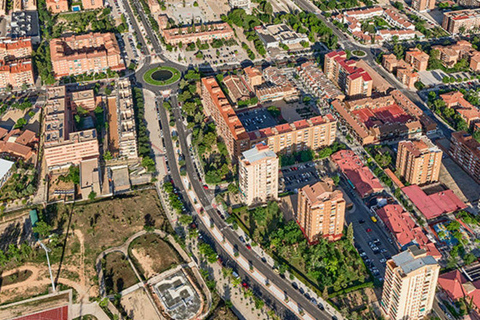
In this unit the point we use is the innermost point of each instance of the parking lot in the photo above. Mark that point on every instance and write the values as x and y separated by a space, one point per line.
297 176
256 119
228 54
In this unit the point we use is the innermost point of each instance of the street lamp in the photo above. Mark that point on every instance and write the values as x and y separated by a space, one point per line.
44 247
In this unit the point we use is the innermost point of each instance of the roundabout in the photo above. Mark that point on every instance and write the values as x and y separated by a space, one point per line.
162 76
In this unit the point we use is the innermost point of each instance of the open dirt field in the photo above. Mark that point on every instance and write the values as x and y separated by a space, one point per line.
154 255
137 305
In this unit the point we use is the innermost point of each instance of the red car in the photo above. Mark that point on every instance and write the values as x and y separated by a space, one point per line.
245 285
369 230
249 247
205 187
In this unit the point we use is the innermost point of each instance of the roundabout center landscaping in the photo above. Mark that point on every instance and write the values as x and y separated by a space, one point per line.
162 76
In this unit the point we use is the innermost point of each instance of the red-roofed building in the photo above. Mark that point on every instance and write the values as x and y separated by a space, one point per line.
433 205
405 230
352 80
359 175
456 286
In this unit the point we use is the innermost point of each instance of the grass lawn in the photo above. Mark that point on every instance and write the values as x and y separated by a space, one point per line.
152 255
174 78
118 273
358 53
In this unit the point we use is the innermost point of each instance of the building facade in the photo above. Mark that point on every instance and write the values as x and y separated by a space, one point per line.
419 161
88 53
417 59
204 33
16 73
465 150
410 283
461 21
423 5
258 175
15 48
321 211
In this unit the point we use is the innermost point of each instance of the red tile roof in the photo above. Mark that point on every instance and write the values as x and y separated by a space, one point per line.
452 283
436 204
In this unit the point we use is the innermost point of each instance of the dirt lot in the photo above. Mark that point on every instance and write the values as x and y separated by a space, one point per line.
118 273
154 255
363 302
137 305
222 312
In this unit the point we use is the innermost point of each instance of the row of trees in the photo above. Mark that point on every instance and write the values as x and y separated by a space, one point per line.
143 140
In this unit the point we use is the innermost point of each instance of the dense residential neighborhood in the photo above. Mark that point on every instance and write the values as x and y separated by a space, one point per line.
196 159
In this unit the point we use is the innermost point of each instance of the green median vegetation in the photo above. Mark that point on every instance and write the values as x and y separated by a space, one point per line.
175 76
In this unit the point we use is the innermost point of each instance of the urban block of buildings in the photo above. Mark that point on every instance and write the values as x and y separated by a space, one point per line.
321 211
353 18
122 138
409 286
405 231
451 54
274 35
204 33
16 73
465 151
18 144
241 4
238 88
258 175
272 85
469 113
461 21
405 70
419 161
383 118
344 73
15 48
311 76
313 133
25 24
463 283
434 204
359 175
423 5
88 53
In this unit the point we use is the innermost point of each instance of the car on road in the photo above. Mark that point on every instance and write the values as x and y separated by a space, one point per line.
245 285
383 260
249 247
205 187
320 306
369 230
361 221
373 219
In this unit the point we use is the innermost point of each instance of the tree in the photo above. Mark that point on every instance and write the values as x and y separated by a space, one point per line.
107 155
185 219
232 188
350 233
453 226
92 195
325 293
42 229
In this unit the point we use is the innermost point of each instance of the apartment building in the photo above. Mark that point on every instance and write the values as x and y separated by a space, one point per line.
126 132
254 76
423 5
258 175
408 77
24 5
16 73
88 53
419 161
154 6
57 6
409 287
417 59
230 128
450 55
313 133
25 24
204 33
238 88
321 211
62 145
465 150
92 4
344 73
15 48
84 99
461 21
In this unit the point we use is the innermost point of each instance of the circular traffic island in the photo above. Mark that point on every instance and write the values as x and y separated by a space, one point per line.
162 76
359 53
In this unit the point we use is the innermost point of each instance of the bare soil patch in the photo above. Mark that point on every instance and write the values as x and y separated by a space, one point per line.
118 273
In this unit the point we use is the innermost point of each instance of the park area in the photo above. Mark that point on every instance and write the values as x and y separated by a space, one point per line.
152 255
331 266
118 273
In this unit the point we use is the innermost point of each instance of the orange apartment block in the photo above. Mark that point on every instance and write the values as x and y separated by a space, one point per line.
423 5
465 109
407 77
451 54
88 53
154 6
352 80
254 76
207 32
454 21
402 70
57 6
15 48
465 150
229 127
92 4
162 21
417 59
63 146
321 211
84 99
16 73
419 161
